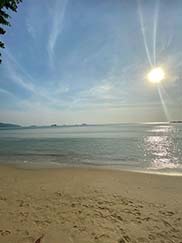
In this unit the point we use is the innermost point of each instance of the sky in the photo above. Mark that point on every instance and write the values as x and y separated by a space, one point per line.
69 62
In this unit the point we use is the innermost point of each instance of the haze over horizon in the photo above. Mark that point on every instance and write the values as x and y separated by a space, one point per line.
82 61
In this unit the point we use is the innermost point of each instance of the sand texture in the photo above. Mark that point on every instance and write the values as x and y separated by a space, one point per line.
88 205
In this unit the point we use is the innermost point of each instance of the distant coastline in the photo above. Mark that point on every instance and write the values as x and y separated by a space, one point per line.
9 125
176 121
17 126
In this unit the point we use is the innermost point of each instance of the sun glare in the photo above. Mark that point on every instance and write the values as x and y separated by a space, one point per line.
156 75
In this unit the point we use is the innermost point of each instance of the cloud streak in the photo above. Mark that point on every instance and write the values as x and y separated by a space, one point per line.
39 95
17 74
6 92
57 27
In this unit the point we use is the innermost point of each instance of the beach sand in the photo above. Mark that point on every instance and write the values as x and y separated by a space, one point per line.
88 205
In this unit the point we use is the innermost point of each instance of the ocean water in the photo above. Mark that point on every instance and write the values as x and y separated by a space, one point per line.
142 147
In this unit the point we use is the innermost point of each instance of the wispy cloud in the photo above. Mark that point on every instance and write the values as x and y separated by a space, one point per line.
109 92
17 74
6 92
57 26
38 95
98 91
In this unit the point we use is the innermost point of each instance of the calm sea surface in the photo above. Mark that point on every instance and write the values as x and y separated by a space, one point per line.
144 147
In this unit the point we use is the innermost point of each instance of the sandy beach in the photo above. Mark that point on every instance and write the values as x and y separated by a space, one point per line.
88 205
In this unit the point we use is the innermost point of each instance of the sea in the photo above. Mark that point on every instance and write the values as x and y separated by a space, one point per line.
144 147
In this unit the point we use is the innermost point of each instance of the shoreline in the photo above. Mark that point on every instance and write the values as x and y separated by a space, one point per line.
88 205
52 166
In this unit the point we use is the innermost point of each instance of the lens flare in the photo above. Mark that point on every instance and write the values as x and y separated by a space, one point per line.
156 75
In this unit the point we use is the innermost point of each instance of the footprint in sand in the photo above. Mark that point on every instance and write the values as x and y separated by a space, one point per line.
2 198
5 232
124 239
167 213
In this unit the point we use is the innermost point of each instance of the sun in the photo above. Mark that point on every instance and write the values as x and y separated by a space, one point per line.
156 75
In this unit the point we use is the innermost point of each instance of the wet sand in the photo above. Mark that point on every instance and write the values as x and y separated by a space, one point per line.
88 205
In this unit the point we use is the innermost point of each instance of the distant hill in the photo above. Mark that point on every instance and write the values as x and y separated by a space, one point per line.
8 125
175 121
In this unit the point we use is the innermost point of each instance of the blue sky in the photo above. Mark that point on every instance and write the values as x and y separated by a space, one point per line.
70 61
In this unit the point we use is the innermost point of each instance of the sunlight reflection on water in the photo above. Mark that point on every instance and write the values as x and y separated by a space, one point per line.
162 149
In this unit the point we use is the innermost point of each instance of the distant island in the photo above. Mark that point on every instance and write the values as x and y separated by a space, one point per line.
74 125
175 121
53 125
9 125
